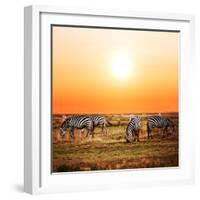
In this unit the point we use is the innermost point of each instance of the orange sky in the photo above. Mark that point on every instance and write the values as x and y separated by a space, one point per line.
84 82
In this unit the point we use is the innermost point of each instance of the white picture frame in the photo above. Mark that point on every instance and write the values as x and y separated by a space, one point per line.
37 134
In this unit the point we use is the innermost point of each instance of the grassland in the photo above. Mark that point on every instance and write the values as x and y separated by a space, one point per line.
110 151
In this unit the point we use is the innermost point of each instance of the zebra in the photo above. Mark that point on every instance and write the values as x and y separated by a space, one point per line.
77 122
133 129
159 122
98 121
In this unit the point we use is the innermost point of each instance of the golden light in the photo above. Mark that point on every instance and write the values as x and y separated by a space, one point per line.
121 66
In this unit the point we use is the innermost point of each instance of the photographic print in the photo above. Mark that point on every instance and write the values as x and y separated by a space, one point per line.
115 97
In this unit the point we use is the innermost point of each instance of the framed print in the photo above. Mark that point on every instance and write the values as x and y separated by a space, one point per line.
107 99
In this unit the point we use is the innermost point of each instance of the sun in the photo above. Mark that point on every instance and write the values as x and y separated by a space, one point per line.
122 67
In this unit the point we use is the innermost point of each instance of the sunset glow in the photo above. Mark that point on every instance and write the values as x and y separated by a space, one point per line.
114 71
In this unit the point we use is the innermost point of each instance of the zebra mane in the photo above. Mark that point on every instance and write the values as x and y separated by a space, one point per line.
65 117
131 117
64 120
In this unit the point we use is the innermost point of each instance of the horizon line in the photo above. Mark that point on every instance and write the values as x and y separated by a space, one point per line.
113 113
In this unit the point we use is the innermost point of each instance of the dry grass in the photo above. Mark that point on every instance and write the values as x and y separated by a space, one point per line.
110 151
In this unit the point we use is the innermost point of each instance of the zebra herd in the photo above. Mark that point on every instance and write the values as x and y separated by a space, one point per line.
90 122
161 122
83 122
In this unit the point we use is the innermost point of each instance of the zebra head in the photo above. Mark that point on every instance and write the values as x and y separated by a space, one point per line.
62 133
64 127
174 130
172 126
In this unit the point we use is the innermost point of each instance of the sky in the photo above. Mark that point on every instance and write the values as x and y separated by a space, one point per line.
114 71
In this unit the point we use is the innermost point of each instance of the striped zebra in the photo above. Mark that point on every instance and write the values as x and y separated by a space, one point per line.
161 122
77 122
98 121
133 129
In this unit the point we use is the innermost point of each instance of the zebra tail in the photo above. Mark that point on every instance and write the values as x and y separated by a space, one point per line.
175 129
109 123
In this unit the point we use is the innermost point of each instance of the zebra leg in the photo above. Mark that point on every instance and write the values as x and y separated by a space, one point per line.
138 135
105 129
164 131
150 134
127 140
71 132
169 131
128 136
102 129
92 133
87 133
91 128
149 131
134 135
81 133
